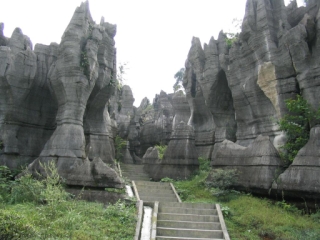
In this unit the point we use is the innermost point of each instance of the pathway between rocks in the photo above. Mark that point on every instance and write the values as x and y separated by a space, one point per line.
172 219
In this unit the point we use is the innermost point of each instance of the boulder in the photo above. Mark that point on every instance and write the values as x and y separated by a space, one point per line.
301 178
258 165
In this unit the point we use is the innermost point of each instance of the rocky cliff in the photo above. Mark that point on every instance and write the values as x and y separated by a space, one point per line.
238 92
53 101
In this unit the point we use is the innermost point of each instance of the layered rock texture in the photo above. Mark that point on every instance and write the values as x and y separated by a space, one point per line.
238 92
180 159
53 101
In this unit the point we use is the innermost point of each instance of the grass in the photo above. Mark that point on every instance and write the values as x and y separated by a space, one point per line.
248 217
41 209
71 220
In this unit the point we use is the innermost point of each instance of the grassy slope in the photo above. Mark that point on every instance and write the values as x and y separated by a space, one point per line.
251 217
69 220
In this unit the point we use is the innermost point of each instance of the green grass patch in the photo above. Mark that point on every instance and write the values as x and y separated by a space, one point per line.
72 220
41 209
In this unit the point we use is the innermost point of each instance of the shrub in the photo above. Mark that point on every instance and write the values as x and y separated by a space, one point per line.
296 125
204 164
5 182
27 189
13 226
222 179
120 144
161 150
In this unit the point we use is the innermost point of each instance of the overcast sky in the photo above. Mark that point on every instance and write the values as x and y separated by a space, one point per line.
153 36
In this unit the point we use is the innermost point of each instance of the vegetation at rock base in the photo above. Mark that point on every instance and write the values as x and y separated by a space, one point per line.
296 125
120 144
161 150
46 211
249 217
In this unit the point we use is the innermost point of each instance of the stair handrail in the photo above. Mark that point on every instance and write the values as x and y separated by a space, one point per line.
222 223
139 205
175 192
154 221
135 190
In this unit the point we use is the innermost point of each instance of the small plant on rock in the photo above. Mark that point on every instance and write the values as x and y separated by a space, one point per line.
296 125
161 149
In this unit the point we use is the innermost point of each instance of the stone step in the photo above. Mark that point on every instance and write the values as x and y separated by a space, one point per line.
190 225
189 205
153 191
195 233
184 238
155 195
151 184
159 199
136 175
195 211
188 217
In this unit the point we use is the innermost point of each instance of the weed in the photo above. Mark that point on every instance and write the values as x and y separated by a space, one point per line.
167 179
161 150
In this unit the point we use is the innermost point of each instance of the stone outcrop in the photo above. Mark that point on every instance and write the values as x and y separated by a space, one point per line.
180 159
258 165
301 179
54 101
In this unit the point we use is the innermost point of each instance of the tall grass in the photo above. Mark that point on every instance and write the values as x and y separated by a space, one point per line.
41 209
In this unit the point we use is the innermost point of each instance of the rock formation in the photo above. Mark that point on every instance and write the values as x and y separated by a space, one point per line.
180 159
238 92
53 101
258 165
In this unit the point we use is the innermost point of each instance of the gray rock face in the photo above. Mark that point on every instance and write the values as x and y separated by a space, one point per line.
156 124
53 101
258 165
302 177
27 105
238 92
180 159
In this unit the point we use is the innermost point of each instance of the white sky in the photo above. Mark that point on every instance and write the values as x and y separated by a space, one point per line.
153 36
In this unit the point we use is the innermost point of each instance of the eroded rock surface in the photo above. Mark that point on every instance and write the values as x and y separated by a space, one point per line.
258 165
53 101
180 159
302 177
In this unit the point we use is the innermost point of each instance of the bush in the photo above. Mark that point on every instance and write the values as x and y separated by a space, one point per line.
13 226
296 125
120 144
222 179
161 150
204 164
5 182
27 189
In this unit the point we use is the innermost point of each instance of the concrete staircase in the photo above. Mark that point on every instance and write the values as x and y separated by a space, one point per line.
155 191
172 219
134 172
186 221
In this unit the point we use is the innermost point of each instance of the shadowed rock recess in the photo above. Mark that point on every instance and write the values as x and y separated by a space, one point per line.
61 103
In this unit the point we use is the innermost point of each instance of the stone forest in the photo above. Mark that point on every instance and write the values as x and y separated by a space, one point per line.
62 103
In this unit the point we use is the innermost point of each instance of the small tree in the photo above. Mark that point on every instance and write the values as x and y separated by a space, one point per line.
120 144
296 125
179 78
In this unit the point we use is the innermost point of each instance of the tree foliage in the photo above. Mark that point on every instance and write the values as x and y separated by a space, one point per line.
179 78
120 144
296 125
